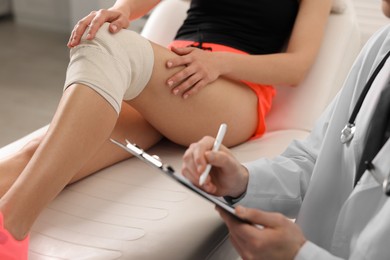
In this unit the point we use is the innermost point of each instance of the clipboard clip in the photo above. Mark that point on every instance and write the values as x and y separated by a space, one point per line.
152 160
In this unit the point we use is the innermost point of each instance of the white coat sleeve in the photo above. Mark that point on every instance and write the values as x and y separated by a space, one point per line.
310 251
280 184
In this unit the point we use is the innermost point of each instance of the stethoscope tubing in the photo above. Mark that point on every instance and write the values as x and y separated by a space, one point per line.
347 133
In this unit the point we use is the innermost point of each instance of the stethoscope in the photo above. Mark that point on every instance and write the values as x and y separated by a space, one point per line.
348 131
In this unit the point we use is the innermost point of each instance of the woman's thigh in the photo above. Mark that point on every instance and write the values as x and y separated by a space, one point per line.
187 120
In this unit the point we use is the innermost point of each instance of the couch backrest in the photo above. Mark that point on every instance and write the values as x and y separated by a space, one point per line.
164 21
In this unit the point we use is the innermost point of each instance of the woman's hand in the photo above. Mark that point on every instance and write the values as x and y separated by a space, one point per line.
201 68
227 176
279 238
118 18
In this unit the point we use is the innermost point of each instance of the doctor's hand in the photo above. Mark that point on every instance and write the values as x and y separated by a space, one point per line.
227 176
279 238
118 18
201 68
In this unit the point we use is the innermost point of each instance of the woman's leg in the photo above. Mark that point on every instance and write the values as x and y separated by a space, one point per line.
84 121
73 138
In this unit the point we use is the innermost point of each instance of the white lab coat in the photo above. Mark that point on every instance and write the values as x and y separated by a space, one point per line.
313 179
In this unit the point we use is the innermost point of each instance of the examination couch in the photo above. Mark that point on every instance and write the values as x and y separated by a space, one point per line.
131 211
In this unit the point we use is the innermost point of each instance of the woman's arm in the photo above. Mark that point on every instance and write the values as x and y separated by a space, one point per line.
291 66
287 68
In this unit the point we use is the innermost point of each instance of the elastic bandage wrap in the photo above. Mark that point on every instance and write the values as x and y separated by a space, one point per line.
117 66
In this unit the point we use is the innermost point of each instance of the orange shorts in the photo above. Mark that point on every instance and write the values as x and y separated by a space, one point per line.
265 93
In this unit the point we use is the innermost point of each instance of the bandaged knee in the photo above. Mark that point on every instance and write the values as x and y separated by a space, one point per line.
117 66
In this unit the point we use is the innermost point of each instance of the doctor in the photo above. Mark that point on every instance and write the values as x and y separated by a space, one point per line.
339 215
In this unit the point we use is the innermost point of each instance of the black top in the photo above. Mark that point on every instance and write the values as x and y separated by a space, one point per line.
253 26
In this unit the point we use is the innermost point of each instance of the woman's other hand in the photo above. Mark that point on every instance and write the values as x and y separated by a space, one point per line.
118 18
227 176
279 237
201 68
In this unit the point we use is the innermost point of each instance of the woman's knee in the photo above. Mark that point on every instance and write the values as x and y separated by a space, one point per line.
117 66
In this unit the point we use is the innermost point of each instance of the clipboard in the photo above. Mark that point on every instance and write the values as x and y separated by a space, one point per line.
168 170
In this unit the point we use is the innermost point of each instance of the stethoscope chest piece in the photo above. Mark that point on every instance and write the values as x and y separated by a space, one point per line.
347 133
349 130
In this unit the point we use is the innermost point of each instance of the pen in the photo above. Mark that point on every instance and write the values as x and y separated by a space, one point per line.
217 144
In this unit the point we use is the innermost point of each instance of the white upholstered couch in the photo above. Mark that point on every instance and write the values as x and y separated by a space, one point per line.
131 211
